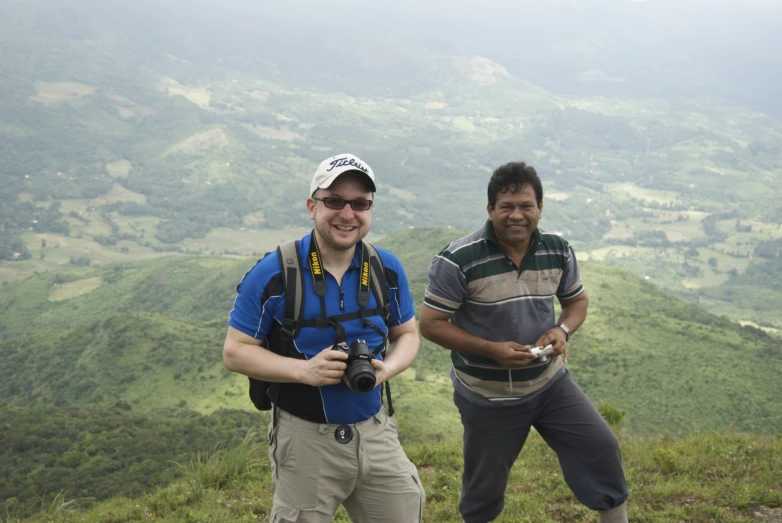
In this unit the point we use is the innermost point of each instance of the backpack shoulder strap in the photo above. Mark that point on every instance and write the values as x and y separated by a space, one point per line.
380 288
378 281
293 283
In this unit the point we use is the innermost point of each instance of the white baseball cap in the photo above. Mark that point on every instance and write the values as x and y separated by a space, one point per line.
331 168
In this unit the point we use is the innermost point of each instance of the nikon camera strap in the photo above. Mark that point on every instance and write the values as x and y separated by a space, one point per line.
371 274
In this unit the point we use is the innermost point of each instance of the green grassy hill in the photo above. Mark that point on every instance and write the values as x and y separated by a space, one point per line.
186 287
150 334
699 479
97 453
144 339
133 130
691 365
144 360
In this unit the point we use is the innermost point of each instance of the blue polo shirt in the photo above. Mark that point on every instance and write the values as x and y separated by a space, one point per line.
260 302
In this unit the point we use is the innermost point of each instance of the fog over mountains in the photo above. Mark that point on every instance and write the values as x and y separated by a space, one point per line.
673 50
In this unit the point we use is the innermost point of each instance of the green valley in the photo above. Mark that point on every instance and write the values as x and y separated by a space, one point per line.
151 152
140 326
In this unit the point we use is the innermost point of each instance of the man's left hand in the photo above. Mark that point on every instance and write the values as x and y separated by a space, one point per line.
381 374
556 338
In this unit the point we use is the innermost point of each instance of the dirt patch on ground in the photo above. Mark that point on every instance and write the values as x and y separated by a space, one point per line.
52 240
198 95
261 96
203 141
127 108
269 133
558 196
66 291
56 92
478 69
118 193
769 330
766 514
175 58
435 105
118 168
401 193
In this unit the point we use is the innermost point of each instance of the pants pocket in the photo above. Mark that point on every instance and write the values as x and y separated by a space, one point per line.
280 448
284 514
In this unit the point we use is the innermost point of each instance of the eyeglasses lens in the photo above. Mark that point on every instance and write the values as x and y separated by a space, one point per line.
339 204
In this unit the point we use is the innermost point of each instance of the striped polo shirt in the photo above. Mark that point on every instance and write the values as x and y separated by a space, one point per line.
492 298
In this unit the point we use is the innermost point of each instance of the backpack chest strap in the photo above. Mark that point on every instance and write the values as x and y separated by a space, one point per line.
323 323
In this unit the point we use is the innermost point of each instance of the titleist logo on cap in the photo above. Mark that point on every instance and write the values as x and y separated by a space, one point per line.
344 161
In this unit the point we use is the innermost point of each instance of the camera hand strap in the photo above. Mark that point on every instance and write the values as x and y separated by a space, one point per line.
363 296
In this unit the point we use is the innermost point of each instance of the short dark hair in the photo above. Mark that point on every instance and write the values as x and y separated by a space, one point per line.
512 177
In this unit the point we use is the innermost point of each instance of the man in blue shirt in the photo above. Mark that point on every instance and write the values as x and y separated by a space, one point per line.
329 444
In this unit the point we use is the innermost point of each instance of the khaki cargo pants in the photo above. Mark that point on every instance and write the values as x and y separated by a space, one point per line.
313 473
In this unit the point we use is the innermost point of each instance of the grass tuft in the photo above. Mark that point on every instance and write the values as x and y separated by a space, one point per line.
216 469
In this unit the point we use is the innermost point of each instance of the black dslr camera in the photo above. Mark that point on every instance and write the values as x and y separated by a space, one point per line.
360 373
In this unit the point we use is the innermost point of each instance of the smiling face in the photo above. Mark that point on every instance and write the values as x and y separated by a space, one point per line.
340 230
515 217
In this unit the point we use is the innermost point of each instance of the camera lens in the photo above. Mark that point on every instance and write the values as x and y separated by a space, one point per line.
364 383
361 376
360 372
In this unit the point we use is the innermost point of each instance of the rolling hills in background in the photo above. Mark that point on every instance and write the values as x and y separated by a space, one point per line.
128 131
150 334
150 152
117 355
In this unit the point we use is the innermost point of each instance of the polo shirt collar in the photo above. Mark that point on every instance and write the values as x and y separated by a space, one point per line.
491 236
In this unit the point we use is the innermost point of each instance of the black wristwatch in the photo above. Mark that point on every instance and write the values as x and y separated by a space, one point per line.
564 328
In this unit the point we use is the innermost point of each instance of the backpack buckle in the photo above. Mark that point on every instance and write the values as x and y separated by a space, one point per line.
322 323
288 329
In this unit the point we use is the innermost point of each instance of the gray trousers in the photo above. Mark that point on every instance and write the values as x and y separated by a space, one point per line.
587 449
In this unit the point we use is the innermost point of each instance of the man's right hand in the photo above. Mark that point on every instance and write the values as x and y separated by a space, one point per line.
327 368
511 355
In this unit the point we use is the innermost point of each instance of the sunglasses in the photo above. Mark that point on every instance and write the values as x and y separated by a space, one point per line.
332 202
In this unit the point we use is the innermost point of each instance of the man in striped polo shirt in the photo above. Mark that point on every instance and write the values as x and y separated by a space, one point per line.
490 300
